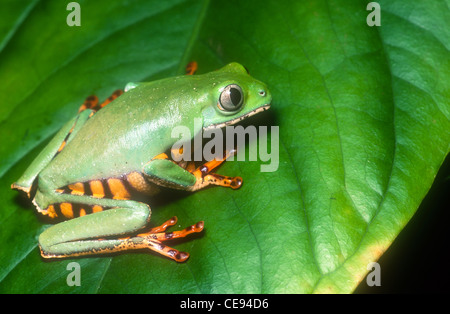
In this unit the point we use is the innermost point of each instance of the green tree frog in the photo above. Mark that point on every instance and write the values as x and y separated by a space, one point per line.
89 175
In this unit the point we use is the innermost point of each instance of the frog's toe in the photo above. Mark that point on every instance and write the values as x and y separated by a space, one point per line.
154 239
167 251
165 236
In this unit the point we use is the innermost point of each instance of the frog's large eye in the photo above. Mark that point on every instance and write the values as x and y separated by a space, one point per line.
231 98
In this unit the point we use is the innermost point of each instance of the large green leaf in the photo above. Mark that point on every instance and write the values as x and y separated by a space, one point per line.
363 115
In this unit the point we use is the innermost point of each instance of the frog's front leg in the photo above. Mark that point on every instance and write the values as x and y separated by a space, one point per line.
205 177
165 172
104 231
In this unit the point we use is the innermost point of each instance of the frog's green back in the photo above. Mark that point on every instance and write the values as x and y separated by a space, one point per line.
127 133
124 135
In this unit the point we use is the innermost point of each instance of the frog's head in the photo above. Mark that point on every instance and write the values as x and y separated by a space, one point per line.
235 96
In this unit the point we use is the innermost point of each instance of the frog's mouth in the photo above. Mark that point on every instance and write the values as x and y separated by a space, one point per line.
237 120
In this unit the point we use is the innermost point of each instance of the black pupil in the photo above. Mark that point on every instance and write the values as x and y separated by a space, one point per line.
235 96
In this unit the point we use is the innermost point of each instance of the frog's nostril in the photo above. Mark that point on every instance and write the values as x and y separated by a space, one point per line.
262 93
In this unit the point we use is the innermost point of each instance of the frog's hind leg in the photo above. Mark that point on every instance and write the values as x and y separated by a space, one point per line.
153 239
54 147
105 228
92 101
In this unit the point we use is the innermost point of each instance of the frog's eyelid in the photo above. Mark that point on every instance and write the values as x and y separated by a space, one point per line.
227 99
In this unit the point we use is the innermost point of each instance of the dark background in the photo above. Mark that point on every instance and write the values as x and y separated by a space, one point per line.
418 260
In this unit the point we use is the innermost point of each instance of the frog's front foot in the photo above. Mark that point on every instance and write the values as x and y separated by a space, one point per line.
205 177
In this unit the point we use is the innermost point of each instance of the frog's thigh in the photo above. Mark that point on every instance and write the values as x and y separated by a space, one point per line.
78 236
61 138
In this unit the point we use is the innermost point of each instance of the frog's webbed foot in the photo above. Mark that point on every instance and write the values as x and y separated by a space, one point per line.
153 239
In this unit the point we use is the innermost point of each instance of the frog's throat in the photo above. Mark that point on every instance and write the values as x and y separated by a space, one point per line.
236 120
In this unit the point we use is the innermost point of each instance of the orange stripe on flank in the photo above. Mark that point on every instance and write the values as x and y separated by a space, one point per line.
66 210
118 190
161 156
138 182
50 211
62 146
77 188
97 188
96 208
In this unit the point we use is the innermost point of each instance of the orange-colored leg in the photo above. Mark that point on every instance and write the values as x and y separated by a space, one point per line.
158 233
203 174
154 239
171 222
114 95
191 68
92 101
205 177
